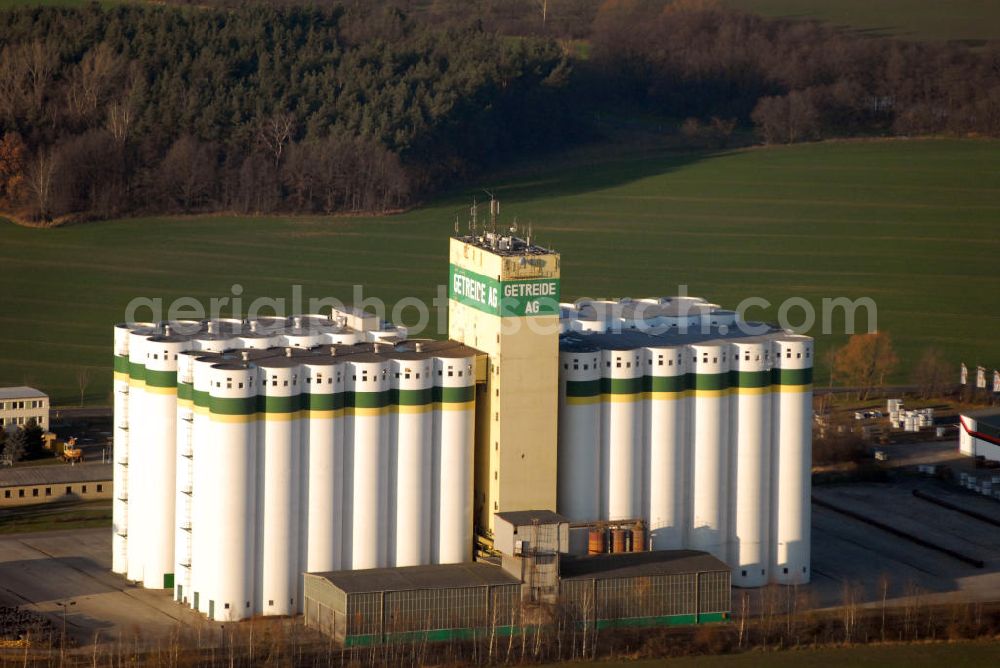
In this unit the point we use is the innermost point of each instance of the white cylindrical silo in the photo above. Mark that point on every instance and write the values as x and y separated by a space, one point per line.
257 336
303 333
792 459
341 337
279 453
751 438
230 460
710 451
412 385
621 434
119 504
455 422
218 336
665 445
138 468
205 487
366 430
160 458
183 497
322 464
578 478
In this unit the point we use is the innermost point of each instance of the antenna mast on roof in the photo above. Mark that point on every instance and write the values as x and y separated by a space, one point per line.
494 212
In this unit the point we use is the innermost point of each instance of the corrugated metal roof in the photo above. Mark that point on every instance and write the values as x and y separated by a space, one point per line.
21 392
437 576
520 518
54 474
635 564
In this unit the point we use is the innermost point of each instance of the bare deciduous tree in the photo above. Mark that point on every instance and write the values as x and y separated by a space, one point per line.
40 176
932 373
119 120
274 133
83 376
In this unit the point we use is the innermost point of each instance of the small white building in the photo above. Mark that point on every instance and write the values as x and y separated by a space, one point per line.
20 405
979 434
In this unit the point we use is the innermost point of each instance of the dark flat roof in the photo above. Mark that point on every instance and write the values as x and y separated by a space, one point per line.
522 518
987 416
54 474
437 576
635 564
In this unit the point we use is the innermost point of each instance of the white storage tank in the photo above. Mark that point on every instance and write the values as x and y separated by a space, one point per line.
452 459
792 459
119 504
751 438
412 385
184 491
665 445
231 460
366 461
279 453
160 444
621 434
579 434
138 453
710 466
322 464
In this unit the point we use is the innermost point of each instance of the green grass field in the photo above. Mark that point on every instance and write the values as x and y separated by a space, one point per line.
55 516
966 20
927 655
912 224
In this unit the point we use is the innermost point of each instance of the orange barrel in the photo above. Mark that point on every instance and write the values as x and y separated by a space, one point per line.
618 540
596 544
638 538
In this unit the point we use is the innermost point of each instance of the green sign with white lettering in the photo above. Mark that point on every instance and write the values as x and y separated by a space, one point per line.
529 296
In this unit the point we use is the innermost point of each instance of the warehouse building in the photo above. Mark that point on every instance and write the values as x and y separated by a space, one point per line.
254 451
21 405
478 600
979 434
27 485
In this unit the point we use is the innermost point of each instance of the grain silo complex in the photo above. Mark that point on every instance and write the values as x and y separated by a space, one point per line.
250 453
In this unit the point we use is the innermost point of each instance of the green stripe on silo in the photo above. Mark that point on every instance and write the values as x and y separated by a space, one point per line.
791 376
161 378
621 385
665 383
121 364
454 395
232 405
583 388
749 378
323 402
136 371
200 397
185 391
709 381
366 399
421 397
266 404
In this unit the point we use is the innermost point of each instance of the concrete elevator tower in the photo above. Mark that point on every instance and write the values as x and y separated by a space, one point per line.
503 299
